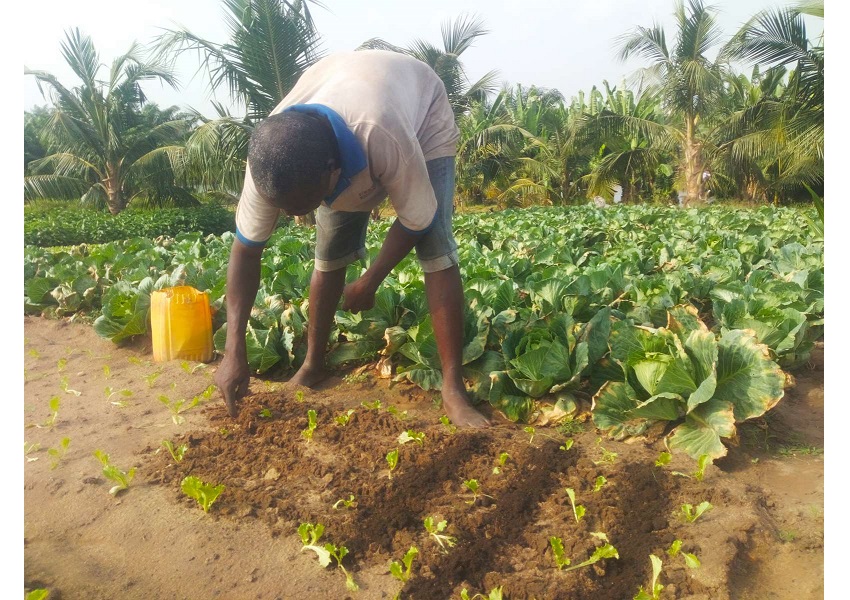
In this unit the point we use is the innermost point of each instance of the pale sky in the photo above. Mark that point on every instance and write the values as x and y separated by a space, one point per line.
563 44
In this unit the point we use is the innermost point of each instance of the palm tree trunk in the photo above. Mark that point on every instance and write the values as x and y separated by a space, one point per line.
693 164
115 199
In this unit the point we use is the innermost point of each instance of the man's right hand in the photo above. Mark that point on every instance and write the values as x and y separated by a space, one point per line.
232 378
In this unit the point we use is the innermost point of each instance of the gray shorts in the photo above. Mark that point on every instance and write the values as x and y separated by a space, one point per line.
341 236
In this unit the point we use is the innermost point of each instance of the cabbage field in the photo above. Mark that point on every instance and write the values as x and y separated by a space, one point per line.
660 325
656 314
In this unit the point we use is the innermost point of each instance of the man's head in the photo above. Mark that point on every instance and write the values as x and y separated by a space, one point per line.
294 160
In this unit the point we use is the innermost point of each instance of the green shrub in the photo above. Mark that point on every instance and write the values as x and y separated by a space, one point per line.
56 225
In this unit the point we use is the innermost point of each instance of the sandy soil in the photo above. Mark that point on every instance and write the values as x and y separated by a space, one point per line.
151 541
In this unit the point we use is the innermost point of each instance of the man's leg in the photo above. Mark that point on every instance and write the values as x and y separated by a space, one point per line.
325 292
340 240
444 290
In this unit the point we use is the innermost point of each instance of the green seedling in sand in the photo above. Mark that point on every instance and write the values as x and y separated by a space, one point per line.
392 461
655 588
435 530
311 425
401 570
339 552
203 493
448 424
346 503
692 515
579 510
691 560
176 453
412 436
121 478
56 454
343 419
600 481
179 406
503 458
63 385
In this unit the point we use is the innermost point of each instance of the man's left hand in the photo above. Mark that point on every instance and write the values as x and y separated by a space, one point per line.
358 295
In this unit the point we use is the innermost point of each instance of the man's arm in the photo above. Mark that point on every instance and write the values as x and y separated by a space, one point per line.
243 281
360 294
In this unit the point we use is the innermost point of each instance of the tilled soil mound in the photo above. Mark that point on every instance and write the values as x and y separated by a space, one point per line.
273 473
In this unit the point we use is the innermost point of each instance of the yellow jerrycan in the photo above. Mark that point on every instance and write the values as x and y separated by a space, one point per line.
181 324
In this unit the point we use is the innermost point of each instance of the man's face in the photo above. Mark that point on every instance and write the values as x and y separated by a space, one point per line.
307 200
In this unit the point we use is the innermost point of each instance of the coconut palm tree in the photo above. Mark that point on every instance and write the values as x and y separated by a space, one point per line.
787 126
458 36
107 151
271 43
689 84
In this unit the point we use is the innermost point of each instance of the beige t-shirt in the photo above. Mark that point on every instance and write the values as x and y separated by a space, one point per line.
398 111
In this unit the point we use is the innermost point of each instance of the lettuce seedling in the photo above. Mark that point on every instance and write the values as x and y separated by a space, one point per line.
177 406
692 515
61 363
412 436
579 510
530 431
311 425
655 587
150 379
702 463
495 594
107 372
607 455
299 395
663 459
346 503
343 419
401 570
472 486
39 594
110 393
435 531
567 444
190 369
392 460
503 458
266 413
600 481
53 404
376 405
691 561
31 447
561 560
400 415
448 424
203 493
63 385
310 536
339 552
605 551
121 478
176 453
56 454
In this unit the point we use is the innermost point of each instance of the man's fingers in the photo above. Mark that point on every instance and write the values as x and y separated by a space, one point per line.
230 401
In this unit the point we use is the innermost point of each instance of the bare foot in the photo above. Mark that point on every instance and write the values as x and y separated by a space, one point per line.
308 376
460 411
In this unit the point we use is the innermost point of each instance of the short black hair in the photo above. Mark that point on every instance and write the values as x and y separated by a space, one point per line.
289 151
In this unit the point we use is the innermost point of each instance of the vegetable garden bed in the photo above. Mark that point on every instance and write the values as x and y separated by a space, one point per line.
154 541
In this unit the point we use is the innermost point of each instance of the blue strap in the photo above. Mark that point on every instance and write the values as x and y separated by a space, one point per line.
351 154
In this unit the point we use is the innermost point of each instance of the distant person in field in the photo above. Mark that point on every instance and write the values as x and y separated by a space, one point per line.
357 126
